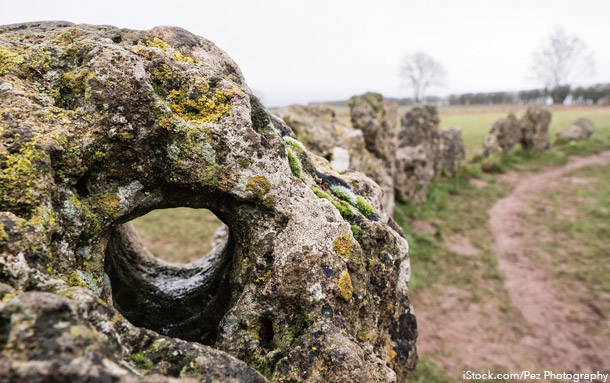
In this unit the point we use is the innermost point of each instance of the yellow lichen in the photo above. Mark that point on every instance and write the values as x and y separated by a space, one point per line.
156 43
343 245
345 286
203 109
110 204
8 60
6 297
3 234
18 176
263 278
76 281
178 57
162 72
363 337
258 185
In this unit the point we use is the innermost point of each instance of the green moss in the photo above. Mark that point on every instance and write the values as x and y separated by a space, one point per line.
258 185
156 43
76 81
493 164
292 142
365 208
345 286
141 361
344 193
284 336
344 208
178 57
295 164
71 86
356 232
357 201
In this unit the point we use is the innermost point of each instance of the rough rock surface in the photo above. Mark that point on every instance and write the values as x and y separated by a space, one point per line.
504 134
377 118
101 125
424 151
580 129
535 129
532 131
451 152
319 129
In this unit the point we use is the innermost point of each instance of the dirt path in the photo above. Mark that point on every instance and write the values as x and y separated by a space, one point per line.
561 343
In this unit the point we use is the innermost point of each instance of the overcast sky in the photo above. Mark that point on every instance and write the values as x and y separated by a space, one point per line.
314 50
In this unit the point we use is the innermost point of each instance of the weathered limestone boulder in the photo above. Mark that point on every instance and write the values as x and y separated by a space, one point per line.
580 129
451 152
532 131
419 126
504 134
377 118
424 151
414 171
101 125
535 130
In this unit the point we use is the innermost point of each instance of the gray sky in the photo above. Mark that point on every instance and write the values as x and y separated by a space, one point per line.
315 50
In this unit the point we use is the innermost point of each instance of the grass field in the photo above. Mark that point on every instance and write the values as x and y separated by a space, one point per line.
178 235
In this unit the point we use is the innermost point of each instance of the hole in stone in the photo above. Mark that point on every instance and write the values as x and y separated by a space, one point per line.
81 186
186 298
179 235
266 332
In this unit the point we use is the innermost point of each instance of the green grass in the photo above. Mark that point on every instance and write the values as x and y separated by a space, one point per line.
177 235
520 160
456 207
428 372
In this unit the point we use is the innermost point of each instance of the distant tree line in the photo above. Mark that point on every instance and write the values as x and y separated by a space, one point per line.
596 94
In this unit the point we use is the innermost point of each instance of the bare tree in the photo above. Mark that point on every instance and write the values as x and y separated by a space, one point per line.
419 71
562 59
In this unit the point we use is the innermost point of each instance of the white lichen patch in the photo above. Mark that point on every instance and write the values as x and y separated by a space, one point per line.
316 292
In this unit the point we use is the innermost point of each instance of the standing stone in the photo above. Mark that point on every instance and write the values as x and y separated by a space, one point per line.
532 131
504 134
377 118
535 129
101 125
424 151
451 152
